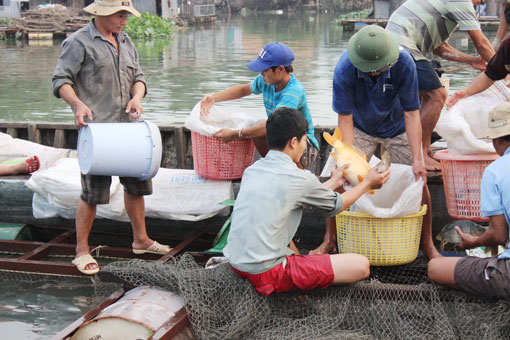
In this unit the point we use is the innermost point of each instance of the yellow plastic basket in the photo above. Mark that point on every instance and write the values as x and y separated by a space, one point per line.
385 241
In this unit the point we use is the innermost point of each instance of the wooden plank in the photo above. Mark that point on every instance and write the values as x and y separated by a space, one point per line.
59 139
180 147
64 334
34 135
43 250
173 327
13 132
177 249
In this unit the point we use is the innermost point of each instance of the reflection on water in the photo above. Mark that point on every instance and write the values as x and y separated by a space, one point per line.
199 60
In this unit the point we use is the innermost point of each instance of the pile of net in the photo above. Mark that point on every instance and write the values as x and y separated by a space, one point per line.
52 19
395 303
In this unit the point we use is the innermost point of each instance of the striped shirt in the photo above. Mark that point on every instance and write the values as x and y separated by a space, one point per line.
292 96
420 26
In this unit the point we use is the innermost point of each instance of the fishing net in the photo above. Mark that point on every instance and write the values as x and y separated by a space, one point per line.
394 303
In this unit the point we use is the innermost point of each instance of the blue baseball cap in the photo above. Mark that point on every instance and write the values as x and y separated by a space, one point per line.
273 54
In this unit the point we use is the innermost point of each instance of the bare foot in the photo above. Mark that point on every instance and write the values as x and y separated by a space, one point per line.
326 247
431 164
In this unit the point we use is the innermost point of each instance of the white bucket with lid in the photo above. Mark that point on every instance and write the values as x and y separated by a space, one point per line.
120 149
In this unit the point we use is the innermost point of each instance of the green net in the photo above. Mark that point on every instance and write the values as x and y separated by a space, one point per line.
394 303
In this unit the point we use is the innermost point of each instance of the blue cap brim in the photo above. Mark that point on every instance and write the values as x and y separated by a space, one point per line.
257 65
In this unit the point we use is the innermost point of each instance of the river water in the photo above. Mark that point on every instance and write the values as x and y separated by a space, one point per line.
198 60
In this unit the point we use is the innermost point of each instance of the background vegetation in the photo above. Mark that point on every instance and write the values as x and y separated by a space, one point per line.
149 26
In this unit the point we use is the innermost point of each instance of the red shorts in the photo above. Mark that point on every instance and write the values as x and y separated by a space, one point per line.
301 272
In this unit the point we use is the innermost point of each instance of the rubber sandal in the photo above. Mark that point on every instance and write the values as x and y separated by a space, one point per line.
82 262
155 248
33 164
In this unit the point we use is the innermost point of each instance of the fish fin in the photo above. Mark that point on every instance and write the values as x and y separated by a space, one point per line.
333 155
360 179
371 192
338 133
328 138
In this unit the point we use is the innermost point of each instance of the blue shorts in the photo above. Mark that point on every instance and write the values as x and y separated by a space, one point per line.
428 79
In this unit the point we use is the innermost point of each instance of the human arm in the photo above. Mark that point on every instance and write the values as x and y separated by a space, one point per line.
346 126
227 135
66 92
448 52
134 106
481 83
373 180
413 132
496 235
232 93
482 44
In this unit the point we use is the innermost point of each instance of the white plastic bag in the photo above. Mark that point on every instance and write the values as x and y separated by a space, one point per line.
177 194
400 196
218 118
463 126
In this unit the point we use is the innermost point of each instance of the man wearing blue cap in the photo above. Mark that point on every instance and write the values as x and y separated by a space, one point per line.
279 88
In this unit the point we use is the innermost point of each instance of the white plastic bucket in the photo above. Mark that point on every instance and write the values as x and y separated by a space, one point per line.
120 149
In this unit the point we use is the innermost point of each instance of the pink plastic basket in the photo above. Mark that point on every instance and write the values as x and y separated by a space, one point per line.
462 178
215 159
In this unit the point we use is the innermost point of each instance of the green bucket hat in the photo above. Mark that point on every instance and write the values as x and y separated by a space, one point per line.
372 49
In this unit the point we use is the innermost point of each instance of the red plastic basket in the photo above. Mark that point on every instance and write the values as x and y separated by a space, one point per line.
462 178
215 159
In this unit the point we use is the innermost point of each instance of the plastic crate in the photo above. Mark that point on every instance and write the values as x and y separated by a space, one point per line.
215 159
462 179
385 241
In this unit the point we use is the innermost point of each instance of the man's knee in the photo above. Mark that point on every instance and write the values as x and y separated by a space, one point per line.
438 95
432 269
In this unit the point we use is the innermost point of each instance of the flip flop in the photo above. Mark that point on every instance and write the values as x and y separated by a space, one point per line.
82 262
33 164
155 248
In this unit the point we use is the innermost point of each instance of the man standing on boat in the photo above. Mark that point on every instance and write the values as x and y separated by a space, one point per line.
99 76
279 88
268 210
489 276
424 26
375 94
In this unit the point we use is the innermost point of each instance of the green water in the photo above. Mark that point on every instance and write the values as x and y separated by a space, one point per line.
199 60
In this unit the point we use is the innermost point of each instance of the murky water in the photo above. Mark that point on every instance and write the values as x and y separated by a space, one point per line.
199 60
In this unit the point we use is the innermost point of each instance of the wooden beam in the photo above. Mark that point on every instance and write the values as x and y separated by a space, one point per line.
43 250
180 147
177 249
173 327
59 139
34 135
13 132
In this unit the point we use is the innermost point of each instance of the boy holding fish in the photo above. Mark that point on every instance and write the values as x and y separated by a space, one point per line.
279 88
375 93
489 276
268 210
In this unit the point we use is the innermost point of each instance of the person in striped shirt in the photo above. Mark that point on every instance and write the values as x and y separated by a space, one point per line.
424 26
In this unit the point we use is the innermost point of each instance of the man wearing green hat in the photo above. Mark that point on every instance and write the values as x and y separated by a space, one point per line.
375 94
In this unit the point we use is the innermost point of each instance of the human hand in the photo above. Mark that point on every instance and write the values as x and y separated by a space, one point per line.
419 170
82 110
226 135
453 99
337 175
478 64
377 179
205 104
134 108
467 240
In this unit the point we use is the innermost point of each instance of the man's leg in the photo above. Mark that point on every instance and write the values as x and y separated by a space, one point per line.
135 208
85 215
441 270
349 268
427 242
432 103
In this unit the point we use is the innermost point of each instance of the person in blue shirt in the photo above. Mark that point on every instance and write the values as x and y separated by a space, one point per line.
489 276
279 88
375 94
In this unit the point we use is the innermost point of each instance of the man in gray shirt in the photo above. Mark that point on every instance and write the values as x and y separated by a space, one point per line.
99 76
268 211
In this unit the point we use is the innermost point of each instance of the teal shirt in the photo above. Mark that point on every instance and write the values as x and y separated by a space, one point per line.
268 210
292 96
